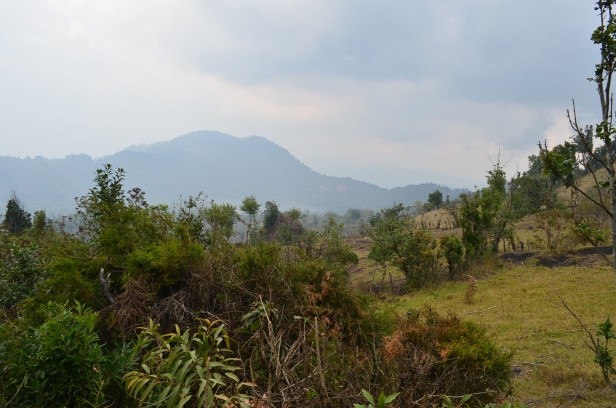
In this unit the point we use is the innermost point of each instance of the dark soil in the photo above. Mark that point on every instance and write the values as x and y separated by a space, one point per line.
586 257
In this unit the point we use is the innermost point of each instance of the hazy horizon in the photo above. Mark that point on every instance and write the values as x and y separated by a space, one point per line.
392 94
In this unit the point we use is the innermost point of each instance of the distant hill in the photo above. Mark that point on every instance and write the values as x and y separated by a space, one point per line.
223 167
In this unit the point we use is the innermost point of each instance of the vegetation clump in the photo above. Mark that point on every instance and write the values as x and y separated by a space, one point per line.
434 355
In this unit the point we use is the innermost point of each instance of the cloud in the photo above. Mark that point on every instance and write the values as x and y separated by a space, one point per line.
389 92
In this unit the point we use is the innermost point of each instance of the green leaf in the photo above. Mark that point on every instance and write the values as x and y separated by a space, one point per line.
382 400
394 396
233 377
163 394
368 396
184 401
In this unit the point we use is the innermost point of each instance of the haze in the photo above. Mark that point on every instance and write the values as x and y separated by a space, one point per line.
391 93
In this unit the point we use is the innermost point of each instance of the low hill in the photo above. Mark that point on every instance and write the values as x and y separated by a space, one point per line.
224 167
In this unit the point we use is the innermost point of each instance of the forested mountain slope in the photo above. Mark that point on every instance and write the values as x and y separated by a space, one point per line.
223 167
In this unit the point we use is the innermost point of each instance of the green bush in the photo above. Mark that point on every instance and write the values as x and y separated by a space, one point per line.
179 368
399 240
453 250
61 362
21 268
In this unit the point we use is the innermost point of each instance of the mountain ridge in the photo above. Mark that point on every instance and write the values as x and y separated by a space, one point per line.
224 167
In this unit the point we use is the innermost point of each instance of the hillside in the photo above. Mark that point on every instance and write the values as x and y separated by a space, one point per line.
224 167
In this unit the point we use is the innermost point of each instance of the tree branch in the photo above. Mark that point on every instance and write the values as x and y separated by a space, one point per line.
105 285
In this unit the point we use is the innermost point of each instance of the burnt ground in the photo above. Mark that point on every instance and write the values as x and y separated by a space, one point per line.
586 257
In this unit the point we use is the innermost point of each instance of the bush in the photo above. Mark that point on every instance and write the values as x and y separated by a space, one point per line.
180 368
453 250
21 268
399 240
61 362
432 355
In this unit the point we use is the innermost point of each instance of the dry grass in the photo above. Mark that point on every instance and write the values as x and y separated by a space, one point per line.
522 310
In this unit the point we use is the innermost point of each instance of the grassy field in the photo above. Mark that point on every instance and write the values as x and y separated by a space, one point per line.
522 309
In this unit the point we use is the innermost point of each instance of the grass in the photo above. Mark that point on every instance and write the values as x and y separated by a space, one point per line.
522 309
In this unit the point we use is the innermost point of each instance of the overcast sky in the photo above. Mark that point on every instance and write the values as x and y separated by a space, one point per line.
390 92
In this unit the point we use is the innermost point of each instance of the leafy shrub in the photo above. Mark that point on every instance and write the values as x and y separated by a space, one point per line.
21 268
436 355
60 363
179 368
453 250
164 262
380 402
399 240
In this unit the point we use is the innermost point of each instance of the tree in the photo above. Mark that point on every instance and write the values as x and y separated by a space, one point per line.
399 240
486 216
436 199
16 218
563 166
251 207
221 218
270 216
352 215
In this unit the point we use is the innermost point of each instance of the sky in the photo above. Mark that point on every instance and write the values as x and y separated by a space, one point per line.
389 92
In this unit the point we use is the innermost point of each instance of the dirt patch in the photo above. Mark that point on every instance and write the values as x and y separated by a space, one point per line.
518 257
585 257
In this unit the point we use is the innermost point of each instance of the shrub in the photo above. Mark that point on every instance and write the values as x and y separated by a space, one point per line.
179 368
21 268
61 362
453 250
399 240
435 355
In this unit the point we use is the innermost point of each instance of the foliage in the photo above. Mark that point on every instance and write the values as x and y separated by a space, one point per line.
436 199
449 403
251 207
39 361
332 248
16 218
399 240
487 216
453 251
380 402
304 337
270 216
599 344
21 268
179 368
535 192
220 218
436 355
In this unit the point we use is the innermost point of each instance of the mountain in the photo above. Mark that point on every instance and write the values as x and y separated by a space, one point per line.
224 167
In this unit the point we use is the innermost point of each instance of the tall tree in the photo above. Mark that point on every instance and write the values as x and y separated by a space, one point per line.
16 218
562 166
270 218
436 199
251 207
